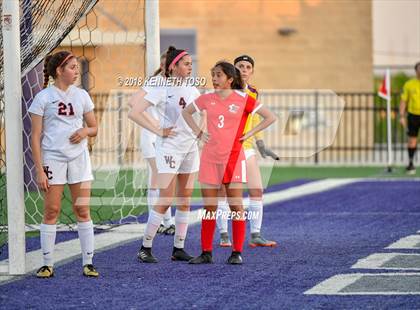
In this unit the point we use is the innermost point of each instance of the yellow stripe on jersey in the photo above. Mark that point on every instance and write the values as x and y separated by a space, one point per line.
251 122
411 95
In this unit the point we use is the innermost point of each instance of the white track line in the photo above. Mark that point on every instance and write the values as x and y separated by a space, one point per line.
333 285
377 260
409 242
70 250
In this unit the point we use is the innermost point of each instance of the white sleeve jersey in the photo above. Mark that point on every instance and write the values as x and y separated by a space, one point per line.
152 110
169 102
62 114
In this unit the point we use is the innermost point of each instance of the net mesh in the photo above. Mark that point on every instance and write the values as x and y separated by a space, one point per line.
109 44
98 37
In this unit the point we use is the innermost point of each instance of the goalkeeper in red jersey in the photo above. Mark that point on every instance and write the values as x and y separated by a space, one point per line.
222 159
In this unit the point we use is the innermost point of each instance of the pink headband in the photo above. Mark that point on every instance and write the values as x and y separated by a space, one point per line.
65 59
180 55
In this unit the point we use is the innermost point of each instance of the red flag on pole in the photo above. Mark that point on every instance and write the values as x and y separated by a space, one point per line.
385 93
385 89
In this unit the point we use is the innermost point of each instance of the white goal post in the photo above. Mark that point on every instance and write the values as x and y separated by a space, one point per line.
15 265
14 142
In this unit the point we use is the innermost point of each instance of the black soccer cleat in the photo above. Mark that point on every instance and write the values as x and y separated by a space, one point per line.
145 255
170 231
235 258
180 255
203 258
161 229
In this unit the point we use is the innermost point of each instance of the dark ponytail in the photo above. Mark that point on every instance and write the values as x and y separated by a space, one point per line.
237 80
171 54
46 75
162 58
231 72
52 62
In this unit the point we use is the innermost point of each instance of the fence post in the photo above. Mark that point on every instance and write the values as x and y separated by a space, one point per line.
120 149
316 127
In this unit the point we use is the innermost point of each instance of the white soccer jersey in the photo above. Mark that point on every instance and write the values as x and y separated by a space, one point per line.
62 114
169 102
152 110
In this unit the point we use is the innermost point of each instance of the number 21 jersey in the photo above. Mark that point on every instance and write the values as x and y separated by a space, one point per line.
62 113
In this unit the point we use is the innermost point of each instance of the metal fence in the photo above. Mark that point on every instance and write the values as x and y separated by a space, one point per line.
360 138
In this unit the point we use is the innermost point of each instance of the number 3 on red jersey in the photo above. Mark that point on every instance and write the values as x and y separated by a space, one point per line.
62 109
221 122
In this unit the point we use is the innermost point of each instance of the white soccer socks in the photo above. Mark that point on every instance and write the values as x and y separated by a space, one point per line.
167 218
152 198
256 211
221 219
48 233
181 227
85 231
155 218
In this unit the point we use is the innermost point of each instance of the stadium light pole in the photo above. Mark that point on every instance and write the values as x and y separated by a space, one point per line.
152 36
14 149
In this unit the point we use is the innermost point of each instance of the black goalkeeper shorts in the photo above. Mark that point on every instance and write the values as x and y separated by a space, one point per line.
413 125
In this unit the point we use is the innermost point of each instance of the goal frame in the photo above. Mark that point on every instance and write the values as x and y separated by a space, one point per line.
16 265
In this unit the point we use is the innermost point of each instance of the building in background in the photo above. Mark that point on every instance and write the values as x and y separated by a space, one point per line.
396 35
296 44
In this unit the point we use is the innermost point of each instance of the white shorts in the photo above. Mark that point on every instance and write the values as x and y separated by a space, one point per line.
249 153
178 163
147 144
72 172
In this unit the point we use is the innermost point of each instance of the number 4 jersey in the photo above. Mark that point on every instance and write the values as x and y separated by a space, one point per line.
62 113
226 120
169 102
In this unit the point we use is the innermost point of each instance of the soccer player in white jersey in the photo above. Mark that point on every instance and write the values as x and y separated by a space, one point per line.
147 146
177 157
62 156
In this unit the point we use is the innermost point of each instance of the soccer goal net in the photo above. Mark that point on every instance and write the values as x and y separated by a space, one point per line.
108 38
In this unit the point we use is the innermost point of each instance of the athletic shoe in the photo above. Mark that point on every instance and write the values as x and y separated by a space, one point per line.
180 255
170 230
235 258
258 240
161 229
45 272
224 240
410 169
203 258
145 255
90 271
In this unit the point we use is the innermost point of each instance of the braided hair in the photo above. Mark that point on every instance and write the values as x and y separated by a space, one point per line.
52 62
